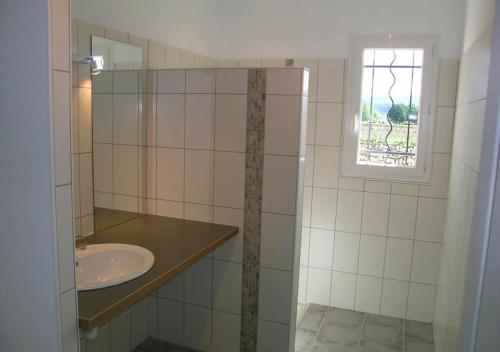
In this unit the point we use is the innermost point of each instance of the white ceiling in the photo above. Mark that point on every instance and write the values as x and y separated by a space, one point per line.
276 28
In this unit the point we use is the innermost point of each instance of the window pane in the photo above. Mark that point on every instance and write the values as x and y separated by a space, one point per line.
390 107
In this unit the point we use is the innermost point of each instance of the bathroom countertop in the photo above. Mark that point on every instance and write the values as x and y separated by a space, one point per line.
176 245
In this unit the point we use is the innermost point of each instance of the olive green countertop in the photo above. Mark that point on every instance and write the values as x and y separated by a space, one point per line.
176 245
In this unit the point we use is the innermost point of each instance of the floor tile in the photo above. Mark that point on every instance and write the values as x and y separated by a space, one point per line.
341 335
344 317
413 345
152 345
304 338
384 334
312 321
419 331
383 320
378 347
320 346
313 307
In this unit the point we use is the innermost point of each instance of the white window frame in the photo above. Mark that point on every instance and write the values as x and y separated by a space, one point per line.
352 115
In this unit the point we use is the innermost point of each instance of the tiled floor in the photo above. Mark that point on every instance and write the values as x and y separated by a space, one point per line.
153 345
324 329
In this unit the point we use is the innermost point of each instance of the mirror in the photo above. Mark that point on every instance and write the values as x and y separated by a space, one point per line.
116 55
117 134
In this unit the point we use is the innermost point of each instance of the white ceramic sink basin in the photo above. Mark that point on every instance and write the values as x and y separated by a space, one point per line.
109 264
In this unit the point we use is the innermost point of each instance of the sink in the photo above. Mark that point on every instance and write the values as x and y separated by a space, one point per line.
109 264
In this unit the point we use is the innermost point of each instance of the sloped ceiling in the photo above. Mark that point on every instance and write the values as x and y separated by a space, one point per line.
276 28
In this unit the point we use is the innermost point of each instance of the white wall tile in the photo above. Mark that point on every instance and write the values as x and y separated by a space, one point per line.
65 239
302 294
86 185
200 119
232 249
87 225
430 219
126 82
402 216
102 118
421 302
229 179
231 122
62 127
377 186
277 241
170 120
439 178
198 283
375 213
170 321
304 243
328 124
371 255
199 176
275 295
60 34
394 298
225 331
398 259
198 212
200 81
447 88
272 337
282 125
119 332
139 322
102 83
150 172
343 290
170 208
326 166
198 328
173 289
349 210
330 80
311 123
444 130
309 166
125 119
126 203
187 59
227 286
74 120
171 81
324 207
69 321
103 200
312 65
321 248
84 120
318 286
279 184
368 294
346 252
426 260
404 189
170 164
232 81
125 170
283 81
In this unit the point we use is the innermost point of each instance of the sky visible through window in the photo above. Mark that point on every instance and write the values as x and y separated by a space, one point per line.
390 107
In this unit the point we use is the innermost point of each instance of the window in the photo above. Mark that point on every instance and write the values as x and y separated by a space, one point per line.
389 120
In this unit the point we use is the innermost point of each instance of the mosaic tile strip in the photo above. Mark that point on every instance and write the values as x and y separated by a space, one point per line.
254 171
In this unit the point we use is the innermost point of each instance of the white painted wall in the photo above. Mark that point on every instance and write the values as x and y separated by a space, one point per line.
29 300
277 28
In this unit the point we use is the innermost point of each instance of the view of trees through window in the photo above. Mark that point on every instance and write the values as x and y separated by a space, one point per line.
390 106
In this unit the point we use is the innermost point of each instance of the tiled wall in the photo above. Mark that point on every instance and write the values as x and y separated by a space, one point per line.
198 173
368 245
117 136
61 110
155 55
464 173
